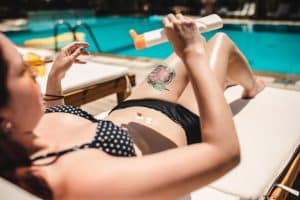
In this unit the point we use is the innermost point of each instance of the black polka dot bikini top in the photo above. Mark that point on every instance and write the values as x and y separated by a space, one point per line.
109 137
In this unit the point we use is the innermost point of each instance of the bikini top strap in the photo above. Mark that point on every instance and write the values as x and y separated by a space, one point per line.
62 152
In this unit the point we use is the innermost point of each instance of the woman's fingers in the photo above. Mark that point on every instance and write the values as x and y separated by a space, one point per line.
78 45
180 17
166 22
83 52
70 48
172 18
76 53
80 61
83 44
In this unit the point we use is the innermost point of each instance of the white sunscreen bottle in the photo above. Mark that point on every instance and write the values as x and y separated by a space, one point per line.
151 38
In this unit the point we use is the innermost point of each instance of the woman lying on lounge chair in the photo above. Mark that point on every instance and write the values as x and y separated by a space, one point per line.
68 154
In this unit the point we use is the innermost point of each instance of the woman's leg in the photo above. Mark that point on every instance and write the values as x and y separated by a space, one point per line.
221 52
230 67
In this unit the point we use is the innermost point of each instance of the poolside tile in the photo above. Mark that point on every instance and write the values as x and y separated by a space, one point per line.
266 79
124 61
142 68
100 105
293 87
106 59
297 85
277 85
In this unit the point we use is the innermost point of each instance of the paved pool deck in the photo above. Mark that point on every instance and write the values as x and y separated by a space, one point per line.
142 66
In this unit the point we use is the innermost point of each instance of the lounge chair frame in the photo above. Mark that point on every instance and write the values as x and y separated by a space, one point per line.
87 94
287 178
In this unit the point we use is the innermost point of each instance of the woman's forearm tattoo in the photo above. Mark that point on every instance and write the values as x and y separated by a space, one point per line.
160 77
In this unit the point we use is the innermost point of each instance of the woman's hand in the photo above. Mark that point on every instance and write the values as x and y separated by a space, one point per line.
183 33
66 57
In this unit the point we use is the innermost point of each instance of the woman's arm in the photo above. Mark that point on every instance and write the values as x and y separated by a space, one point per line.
63 61
217 125
176 172
166 175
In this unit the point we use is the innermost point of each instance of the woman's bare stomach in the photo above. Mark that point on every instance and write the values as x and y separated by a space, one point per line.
151 130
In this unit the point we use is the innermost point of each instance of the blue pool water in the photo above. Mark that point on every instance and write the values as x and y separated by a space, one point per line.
269 48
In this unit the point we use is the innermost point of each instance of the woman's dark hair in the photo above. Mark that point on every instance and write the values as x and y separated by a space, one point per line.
14 159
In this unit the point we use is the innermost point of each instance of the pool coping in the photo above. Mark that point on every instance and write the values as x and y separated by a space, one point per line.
264 22
156 60
284 81
144 62
141 66
287 81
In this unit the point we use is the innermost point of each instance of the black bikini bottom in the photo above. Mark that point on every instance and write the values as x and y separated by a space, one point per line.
188 120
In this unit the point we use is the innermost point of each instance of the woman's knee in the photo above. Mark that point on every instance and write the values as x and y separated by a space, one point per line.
223 38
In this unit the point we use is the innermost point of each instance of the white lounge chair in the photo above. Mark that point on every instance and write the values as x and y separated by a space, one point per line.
251 10
269 132
240 13
248 10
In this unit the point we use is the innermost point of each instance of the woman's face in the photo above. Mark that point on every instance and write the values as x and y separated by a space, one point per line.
25 107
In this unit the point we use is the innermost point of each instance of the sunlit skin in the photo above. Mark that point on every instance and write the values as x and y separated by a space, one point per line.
203 69
21 80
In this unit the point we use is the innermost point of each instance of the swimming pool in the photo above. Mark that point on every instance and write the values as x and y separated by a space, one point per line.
269 48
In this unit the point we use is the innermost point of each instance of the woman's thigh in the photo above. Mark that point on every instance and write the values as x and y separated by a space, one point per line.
166 81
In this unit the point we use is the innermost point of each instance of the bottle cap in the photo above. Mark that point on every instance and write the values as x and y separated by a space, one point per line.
139 40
